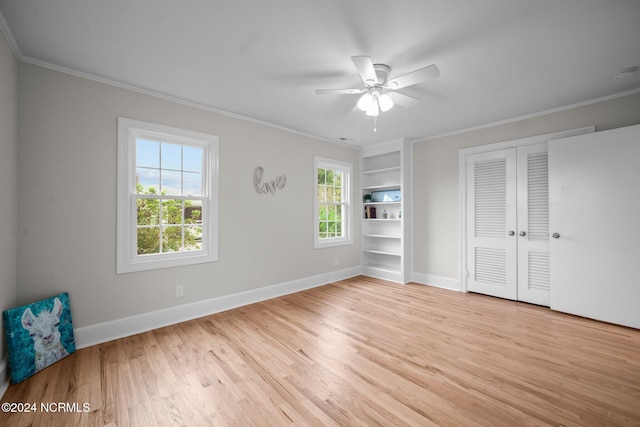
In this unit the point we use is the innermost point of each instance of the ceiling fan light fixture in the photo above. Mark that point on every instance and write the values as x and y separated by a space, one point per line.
374 108
385 101
365 102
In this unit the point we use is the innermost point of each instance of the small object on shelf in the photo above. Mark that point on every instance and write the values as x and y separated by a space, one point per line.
370 212
384 214
386 196
367 198
399 214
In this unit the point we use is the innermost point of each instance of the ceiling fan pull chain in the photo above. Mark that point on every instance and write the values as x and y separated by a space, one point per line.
375 124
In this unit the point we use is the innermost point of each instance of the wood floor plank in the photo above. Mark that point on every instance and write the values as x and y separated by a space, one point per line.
357 352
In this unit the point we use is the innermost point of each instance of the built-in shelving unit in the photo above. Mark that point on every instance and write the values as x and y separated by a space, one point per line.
385 237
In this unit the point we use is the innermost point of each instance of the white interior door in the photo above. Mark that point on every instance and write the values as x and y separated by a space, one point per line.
533 224
595 210
491 223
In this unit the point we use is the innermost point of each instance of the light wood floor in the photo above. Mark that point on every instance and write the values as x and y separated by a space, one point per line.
357 352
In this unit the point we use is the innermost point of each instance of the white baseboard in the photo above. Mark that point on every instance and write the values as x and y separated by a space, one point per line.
103 332
4 377
436 281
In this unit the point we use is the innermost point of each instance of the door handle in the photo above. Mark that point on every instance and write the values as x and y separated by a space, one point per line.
523 233
511 233
555 235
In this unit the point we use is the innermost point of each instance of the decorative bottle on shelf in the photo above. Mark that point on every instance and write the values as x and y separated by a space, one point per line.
384 214
399 214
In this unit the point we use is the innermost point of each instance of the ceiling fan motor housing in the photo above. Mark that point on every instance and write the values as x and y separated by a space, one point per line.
382 72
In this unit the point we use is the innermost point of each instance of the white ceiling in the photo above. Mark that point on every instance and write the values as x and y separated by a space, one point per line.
498 59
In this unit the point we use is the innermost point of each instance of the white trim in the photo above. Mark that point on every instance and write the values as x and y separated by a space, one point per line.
4 28
462 180
436 281
103 332
392 275
4 377
529 116
156 94
382 148
347 195
172 98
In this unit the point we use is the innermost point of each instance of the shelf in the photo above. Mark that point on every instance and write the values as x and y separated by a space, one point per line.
370 251
381 203
382 187
382 236
385 242
376 171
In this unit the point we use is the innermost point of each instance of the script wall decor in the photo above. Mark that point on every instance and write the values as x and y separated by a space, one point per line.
269 186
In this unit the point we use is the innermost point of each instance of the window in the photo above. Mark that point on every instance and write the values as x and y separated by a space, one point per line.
333 213
167 196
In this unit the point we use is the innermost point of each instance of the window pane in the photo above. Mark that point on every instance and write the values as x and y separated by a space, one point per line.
147 153
338 194
172 212
171 183
148 211
171 156
322 214
322 227
322 193
192 159
171 239
193 212
321 176
147 181
192 184
148 240
330 194
331 213
329 177
193 238
337 178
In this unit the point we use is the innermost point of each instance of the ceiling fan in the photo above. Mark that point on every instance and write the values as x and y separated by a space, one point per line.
379 93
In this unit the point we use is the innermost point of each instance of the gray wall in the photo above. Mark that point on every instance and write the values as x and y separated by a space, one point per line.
67 201
436 236
8 181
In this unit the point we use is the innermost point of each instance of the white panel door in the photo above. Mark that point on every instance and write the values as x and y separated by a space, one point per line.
533 224
491 223
595 210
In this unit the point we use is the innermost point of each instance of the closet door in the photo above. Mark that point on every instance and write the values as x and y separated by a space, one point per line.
491 223
533 224
595 218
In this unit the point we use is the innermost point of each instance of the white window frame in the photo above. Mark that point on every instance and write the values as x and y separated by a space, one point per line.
347 215
128 259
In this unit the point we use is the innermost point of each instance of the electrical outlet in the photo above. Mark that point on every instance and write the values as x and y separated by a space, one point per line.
179 291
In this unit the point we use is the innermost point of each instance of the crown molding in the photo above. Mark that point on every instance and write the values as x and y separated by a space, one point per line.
529 116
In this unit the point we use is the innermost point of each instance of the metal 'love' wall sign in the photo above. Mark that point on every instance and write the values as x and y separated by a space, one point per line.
269 186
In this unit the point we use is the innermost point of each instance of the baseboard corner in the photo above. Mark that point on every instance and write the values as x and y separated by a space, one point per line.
436 281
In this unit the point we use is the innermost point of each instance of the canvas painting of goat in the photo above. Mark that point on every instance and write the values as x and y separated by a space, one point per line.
38 335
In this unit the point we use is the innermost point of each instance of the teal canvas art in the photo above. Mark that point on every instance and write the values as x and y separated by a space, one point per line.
38 335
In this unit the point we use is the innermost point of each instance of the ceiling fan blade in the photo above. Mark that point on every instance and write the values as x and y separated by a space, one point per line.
414 77
364 65
403 100
339 91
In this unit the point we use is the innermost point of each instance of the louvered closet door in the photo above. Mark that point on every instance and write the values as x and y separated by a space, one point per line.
491 216
533 222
